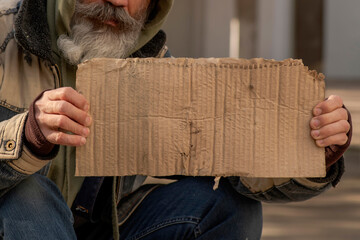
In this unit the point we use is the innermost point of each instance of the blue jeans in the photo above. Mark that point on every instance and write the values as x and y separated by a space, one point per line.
35 209
187 209
191 209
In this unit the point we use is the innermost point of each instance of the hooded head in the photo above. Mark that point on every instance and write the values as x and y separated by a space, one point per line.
60 13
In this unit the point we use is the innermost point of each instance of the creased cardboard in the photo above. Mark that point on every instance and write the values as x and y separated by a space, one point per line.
207 117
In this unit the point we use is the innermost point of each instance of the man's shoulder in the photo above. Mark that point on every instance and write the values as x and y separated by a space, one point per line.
9 6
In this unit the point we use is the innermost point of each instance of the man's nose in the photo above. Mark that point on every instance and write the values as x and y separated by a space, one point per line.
118 3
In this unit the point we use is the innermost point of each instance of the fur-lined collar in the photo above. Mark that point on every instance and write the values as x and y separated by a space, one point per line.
31 29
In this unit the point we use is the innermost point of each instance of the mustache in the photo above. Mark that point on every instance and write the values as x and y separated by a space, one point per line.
102 12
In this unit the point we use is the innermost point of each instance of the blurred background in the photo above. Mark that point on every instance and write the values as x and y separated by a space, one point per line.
325 34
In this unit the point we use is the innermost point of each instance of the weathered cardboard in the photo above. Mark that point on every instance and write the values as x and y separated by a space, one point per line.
218 117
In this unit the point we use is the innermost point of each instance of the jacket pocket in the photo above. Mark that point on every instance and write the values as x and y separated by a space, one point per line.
11 132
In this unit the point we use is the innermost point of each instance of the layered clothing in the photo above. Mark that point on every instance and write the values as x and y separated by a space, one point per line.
30 63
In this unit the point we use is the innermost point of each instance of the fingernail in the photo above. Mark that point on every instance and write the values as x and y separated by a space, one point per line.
317 111
86 131
86 108
315 133
82 141
320 142
315 123
88 121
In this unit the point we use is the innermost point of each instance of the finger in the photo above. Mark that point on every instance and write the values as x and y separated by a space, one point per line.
70 95
328 118
342 126
65 108
55 122
329 105
338 139
61 138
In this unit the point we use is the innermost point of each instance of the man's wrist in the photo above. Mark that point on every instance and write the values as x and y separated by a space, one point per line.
34 138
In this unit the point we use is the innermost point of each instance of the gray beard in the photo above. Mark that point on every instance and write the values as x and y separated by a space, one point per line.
91 39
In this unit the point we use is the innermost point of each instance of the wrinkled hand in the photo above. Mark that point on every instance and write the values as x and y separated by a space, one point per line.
330 123
61 111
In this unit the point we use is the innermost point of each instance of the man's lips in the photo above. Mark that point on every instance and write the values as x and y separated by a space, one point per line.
112 23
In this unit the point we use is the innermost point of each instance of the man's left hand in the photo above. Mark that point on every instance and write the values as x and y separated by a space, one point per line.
330 125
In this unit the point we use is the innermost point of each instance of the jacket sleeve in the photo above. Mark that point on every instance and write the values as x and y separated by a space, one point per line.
16 160
286 189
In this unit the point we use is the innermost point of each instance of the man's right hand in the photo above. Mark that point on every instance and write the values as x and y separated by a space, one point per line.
62 115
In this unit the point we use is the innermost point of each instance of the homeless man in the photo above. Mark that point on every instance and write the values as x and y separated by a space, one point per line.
43 119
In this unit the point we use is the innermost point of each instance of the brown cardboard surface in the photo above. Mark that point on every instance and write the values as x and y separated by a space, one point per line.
207 117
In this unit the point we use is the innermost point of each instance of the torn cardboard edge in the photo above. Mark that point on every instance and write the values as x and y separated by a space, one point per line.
200 117
216 183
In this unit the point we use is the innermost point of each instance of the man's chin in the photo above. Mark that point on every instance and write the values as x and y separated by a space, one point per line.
89 42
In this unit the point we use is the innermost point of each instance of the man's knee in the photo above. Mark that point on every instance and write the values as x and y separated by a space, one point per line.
35 206
36 192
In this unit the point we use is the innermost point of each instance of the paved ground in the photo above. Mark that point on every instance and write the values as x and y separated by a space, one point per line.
336 213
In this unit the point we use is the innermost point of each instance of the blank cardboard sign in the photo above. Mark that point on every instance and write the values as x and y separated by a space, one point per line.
200 117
